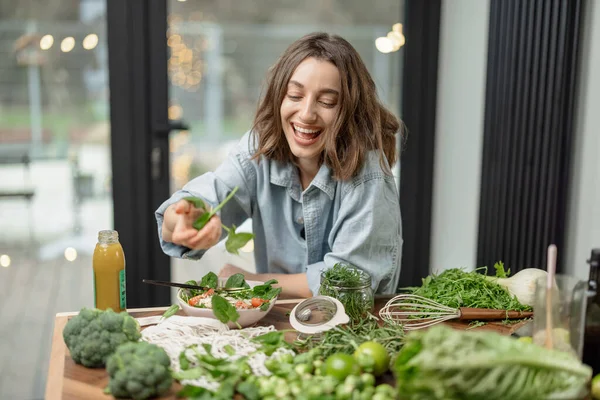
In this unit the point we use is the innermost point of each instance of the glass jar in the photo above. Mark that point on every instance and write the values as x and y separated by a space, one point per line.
356 297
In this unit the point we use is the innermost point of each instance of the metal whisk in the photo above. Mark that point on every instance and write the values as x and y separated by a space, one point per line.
417 312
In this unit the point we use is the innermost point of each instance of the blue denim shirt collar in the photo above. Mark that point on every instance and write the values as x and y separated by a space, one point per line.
286 175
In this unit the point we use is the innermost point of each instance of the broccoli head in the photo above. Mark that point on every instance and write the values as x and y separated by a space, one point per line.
139 371
93 335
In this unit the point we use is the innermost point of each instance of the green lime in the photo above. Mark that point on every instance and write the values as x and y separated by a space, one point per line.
596 387
374 355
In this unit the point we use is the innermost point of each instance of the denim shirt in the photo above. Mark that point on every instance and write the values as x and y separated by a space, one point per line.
356 221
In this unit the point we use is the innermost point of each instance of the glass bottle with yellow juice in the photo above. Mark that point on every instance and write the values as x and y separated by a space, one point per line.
109 272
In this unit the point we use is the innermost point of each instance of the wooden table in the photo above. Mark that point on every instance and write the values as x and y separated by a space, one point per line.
67 380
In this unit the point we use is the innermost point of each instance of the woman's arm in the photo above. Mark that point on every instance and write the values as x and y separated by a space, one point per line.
293 285
176 236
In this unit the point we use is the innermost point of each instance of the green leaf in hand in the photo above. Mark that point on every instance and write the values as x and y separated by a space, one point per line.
235 240
224 310
204 218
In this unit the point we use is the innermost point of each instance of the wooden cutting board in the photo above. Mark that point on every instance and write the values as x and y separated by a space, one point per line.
67 380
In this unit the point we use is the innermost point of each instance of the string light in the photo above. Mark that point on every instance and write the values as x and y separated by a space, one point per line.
90 41
46 42
393 41
5 260
67 44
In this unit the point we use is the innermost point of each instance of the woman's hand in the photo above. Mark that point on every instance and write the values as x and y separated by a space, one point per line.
178 227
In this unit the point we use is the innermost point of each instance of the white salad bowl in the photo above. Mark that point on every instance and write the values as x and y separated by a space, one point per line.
247 317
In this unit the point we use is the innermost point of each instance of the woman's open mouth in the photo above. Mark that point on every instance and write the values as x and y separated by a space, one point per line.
305 136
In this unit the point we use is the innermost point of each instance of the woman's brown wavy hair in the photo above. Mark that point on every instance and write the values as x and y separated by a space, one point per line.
362 124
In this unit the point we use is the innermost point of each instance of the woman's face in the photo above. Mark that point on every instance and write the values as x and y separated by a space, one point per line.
309 109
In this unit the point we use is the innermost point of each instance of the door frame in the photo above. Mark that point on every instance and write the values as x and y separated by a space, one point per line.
138 78
137 54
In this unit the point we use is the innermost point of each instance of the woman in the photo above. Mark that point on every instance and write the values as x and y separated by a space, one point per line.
313 174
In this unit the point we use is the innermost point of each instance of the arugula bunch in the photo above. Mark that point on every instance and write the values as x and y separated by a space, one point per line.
235 240
458 288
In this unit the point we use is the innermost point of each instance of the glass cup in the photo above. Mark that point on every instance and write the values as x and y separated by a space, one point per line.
567 311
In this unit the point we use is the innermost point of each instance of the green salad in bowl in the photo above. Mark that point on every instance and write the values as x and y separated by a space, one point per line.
234 301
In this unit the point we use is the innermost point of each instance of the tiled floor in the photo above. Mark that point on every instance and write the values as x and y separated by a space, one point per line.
31 293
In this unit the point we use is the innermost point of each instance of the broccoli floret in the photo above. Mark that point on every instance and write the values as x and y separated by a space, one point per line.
139 370
93 335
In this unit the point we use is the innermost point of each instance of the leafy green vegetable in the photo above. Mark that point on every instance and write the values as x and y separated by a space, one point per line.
271 341
171 311
457 288
235 240
206 216
500 272
352 287
224 310
210 280
346 339
444 363
93 335
266 291
236 281
139 370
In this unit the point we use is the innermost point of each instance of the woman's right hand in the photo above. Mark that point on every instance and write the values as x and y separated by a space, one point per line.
177 227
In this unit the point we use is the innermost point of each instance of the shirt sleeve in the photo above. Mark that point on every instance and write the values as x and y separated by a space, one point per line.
367 234
213 187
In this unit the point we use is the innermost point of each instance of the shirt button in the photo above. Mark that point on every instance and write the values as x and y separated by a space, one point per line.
301 221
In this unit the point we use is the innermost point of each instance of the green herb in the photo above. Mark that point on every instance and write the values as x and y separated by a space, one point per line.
475 324
271 341
236 281
500 272
224 310
442 363
346 339
235 240
457 288
351 286
171 311
229 349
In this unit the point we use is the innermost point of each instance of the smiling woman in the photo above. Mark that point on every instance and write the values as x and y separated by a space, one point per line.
313 174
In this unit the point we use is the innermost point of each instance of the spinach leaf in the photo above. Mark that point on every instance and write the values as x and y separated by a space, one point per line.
236 240
204 218
183 361
210 280
236 281
195 392
171 311
224 310
249 390
266 291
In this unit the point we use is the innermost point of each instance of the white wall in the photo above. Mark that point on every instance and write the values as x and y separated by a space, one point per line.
459 133
584 211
